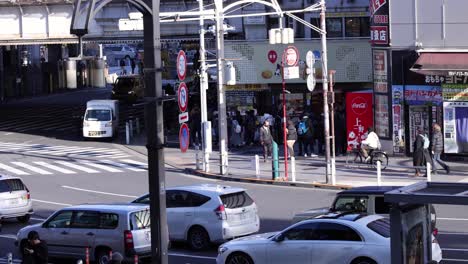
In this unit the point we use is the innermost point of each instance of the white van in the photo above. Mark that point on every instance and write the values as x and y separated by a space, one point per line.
101 119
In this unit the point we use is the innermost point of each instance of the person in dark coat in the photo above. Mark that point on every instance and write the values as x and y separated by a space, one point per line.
133 65
437 148
36 251
418 152
291 137
266 139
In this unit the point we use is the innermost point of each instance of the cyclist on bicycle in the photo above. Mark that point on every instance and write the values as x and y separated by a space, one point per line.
371 143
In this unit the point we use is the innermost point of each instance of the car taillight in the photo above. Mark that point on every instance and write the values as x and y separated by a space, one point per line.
435 231
221 212
28 195
128 240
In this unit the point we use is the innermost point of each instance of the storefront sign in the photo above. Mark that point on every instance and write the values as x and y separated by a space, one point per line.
434 79
359 117
455 87
379 24
398 127
422 94
455 125
380 64
382 116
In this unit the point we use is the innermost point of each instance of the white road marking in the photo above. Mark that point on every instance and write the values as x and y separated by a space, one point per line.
48 202
190 256
456 249
9 236
452 219
455 260
100 166
12 170
53 167
464 180
77 167
98 192
125 166
31 168
135 162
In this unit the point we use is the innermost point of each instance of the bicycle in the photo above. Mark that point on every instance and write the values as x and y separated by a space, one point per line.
354 156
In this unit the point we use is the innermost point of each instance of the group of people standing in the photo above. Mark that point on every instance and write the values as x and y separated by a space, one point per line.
421 147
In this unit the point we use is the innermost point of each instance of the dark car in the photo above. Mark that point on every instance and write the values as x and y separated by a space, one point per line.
368 200
128 88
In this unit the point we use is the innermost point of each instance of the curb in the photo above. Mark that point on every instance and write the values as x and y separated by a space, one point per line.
267 182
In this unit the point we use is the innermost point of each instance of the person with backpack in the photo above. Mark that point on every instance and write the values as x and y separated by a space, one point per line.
304 132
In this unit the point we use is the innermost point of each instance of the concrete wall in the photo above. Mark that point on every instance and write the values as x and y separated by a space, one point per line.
432 23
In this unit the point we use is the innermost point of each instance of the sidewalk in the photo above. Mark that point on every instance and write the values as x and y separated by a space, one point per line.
310 172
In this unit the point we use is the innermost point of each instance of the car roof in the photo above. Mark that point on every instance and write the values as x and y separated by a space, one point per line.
213 189
347 218
369 190
6 177
113 207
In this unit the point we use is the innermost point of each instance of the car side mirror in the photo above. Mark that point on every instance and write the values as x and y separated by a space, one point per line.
279 238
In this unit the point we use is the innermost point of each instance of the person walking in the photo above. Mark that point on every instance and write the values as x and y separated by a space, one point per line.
36 250
371 143
304 132
133 65
437 148
291 138
266 140
420 152
122 67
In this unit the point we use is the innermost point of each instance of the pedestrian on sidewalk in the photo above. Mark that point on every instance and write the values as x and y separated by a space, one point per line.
420 151
266 140
133 65
291 137
305 136
122 67
437 148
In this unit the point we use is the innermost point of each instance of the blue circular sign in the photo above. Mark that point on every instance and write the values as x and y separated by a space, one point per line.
184 137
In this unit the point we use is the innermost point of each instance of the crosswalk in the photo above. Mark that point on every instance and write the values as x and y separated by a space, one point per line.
71 167
62 151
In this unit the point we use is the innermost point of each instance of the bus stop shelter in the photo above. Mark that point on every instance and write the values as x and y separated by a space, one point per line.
410 218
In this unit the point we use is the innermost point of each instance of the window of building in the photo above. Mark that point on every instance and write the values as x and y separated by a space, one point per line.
357 27
334 27
316 22
272 22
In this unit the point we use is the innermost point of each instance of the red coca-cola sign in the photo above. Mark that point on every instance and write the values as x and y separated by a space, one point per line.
359 105
359 116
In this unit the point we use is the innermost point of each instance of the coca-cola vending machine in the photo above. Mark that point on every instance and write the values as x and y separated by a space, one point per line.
359 116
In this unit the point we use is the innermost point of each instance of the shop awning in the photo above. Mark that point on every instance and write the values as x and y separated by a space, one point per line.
441 63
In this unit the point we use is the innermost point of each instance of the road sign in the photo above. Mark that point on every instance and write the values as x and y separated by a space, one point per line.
183 117
182 97
317 54
272 56
291 56
310 59
311 82
291 73
181 65
184 137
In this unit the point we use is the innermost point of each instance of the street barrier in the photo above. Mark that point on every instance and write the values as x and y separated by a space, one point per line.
293 169
428 172
87 255
379 173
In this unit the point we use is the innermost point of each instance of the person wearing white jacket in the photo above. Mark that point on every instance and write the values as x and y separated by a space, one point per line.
372 142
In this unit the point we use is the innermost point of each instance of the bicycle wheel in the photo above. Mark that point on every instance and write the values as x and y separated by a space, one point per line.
353 157
379 156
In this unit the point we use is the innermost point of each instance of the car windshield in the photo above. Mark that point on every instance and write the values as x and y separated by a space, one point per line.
124 84
351 203
380 226
98 115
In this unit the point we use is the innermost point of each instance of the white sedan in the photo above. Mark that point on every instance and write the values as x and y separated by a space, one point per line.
350 239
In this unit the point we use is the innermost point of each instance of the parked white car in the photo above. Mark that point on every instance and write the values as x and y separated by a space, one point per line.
348 239
204 214
15 199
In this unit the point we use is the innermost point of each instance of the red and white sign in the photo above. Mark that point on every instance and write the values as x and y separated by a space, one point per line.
379 34
184 137
183 117
291 56
181 65
359 116
182 97
375 5
272 56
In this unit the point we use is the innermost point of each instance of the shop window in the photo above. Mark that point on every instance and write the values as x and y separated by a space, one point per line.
357 27
334 27
316 22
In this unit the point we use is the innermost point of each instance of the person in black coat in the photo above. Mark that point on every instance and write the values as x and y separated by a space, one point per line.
266 139
35 252
418 152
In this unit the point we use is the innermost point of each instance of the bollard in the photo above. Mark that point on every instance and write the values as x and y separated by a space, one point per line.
428 171
135 259
275 162
197 157
333 172
127 133
87 255
138 126
293 169
131 128
379 173
10 258
257 166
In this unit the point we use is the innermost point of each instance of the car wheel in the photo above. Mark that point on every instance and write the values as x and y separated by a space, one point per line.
102 256
198 238
239 258
24 219
363 261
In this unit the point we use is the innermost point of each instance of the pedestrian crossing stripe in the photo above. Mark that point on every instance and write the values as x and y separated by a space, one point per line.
69 151
71 167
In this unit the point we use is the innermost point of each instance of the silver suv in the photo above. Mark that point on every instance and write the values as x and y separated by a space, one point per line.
15 200
97 228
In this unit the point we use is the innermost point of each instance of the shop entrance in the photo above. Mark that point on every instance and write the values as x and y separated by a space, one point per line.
423 117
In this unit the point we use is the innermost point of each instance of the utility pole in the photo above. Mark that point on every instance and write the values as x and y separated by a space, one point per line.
222 120
155 134
203 89
326 116
333 145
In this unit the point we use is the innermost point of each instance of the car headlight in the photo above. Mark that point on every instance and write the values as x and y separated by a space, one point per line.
131 92
222 249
